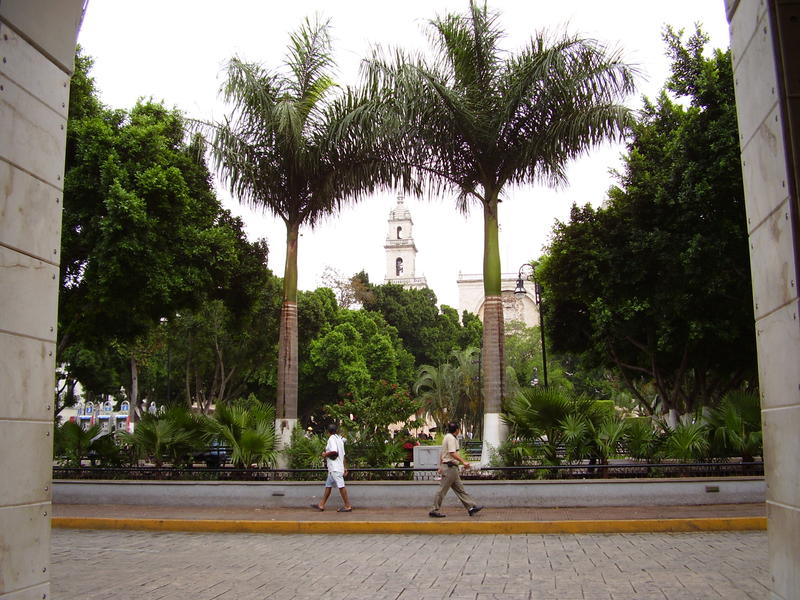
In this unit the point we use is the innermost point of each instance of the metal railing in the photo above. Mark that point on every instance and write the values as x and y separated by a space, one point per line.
528 472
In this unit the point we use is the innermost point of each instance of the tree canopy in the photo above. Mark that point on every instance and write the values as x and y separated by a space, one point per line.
430 334
656 282
144 237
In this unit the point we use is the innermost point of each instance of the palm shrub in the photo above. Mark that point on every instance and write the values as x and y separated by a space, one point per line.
71 443
688 440
736 426
642 440
577 431
517 453
607 439
163 438
247 427
596 440
556 421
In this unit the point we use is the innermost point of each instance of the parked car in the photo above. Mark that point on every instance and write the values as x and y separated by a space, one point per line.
215 456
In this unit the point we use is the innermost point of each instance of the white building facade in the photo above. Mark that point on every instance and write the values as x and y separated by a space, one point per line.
516 307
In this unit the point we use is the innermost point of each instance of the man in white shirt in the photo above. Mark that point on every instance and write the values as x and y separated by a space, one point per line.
334 455
449 460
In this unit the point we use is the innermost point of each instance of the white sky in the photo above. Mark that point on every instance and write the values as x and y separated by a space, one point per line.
174 50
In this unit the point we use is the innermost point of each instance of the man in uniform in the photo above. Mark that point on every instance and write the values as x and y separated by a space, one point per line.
449 461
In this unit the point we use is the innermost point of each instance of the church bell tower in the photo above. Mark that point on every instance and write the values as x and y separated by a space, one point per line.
401 252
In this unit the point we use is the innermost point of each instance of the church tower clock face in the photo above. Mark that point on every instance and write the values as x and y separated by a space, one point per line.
401 251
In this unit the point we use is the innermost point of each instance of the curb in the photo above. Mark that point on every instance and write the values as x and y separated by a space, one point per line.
418 527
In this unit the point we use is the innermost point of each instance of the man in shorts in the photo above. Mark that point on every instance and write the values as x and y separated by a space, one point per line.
334 455
449 461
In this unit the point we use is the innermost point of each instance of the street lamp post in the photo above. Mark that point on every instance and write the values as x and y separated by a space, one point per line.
520 289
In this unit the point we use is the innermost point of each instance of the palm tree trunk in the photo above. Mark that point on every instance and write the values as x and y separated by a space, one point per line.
286 404
493 331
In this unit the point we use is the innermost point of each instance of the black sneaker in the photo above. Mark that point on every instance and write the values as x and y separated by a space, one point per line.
472 511
437 514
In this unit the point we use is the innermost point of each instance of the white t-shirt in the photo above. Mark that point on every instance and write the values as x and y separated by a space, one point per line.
335 442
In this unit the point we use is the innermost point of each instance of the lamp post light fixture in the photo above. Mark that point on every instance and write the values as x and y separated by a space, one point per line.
520 289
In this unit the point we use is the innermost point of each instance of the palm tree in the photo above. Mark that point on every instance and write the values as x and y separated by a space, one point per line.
438 388
291 148
467 366
477 119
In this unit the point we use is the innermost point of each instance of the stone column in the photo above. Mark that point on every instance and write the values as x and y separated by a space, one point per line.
765 43
37 47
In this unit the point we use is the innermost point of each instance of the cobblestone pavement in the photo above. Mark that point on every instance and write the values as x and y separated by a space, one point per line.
128 565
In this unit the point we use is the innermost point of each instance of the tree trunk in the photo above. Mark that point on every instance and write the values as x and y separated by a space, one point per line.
136 409
492 363
286 402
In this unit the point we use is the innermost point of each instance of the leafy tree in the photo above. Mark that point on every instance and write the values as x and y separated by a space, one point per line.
142 233
428 333
359 353
365 420
656 284
477 119
225 348
290 148
318 313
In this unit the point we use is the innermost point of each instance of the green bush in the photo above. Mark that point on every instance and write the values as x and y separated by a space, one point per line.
305 452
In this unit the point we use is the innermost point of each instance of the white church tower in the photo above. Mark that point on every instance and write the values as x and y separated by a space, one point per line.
401 252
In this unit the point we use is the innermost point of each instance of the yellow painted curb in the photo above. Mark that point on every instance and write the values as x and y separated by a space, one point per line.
418 527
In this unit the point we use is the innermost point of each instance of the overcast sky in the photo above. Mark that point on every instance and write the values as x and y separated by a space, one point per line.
174 50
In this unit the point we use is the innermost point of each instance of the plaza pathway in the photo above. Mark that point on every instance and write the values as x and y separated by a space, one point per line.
128 565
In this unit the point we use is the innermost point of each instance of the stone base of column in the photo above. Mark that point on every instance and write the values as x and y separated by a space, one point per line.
283 433
495 432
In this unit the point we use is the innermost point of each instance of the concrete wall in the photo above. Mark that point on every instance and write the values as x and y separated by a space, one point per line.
497 494
765 38
37 45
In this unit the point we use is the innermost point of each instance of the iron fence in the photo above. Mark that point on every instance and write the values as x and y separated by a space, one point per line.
626 470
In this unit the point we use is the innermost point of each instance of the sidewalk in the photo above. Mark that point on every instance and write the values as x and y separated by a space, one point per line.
304 519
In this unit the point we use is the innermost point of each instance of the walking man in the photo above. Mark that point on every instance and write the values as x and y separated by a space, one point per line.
449 461
334 455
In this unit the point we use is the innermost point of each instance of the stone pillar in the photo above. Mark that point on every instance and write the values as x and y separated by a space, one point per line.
37 47
765 37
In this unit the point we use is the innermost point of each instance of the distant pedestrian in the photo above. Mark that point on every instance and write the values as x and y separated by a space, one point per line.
449 460
334 455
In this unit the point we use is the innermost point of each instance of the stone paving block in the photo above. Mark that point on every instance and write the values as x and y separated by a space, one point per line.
252 566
